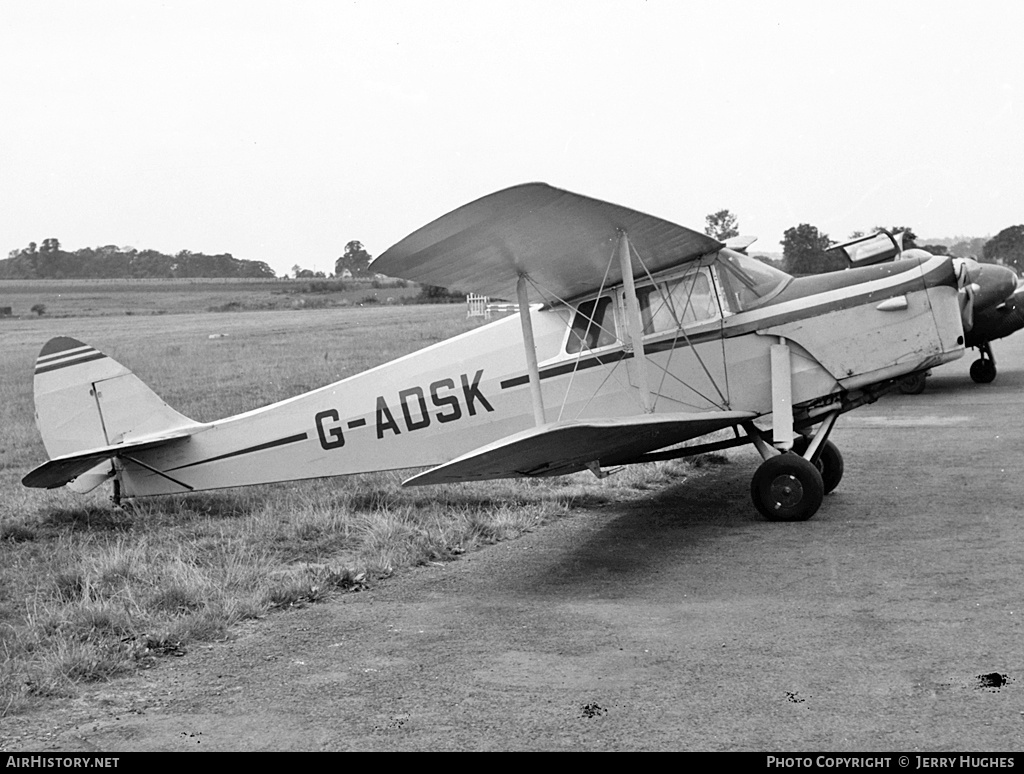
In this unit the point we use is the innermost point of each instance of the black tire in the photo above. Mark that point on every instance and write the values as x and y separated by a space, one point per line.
829 462
913 385
787 488
983 371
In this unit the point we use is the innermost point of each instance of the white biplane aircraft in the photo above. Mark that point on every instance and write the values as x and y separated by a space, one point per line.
633 336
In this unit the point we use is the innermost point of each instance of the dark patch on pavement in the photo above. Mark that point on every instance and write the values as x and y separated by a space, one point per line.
993 681
592 710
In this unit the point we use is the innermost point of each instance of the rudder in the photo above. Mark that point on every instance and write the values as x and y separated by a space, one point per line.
85 400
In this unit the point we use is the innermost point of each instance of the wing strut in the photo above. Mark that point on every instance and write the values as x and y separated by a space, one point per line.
531 351
634 324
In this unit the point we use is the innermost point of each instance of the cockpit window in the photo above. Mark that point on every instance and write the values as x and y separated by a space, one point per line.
747 282
593 326
668 305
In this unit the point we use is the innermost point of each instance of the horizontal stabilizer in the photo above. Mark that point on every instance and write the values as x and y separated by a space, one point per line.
567 447
66 468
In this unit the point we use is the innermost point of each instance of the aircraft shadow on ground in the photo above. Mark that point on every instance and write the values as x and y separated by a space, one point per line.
638 538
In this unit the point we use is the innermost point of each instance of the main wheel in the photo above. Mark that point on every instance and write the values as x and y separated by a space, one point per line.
983 371
787 488
913 385
829 462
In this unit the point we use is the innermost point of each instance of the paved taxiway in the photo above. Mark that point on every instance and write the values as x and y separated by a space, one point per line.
682 621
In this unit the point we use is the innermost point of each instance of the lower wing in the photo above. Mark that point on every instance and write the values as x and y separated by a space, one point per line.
568 447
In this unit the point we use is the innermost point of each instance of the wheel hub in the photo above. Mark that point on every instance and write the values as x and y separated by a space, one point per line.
786 491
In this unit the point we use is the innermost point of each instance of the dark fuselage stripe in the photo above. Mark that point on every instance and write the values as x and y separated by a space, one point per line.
569 367
249 450
85 358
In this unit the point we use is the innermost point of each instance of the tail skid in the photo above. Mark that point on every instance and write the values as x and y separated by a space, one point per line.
91 410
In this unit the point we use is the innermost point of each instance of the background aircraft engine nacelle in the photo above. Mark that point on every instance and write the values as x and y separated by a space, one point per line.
997 322
990 283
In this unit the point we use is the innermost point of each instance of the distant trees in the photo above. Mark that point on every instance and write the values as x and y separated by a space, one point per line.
721 225
966 248
805 251
1007 247
49 261
432 294
299 273
355 259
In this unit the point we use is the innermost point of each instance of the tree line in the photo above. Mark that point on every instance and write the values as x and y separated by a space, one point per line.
805 249
355 262
49 261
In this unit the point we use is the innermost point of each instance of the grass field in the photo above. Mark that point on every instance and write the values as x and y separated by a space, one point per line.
88 591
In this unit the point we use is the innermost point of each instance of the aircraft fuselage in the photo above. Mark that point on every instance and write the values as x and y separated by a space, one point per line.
460 394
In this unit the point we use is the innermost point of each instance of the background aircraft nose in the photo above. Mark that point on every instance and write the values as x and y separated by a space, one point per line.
995 283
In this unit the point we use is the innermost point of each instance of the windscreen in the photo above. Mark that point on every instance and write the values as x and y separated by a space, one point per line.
748 282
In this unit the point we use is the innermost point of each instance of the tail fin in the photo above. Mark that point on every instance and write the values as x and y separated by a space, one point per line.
90 407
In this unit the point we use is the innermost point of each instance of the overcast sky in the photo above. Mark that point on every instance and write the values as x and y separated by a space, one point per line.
280 131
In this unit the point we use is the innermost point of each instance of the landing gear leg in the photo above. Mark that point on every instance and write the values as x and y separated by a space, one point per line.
791 486
829 462
983 370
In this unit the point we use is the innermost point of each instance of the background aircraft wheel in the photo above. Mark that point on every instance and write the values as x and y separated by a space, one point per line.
787 488
829 464
983 371
913 385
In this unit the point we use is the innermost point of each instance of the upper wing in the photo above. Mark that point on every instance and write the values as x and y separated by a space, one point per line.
67 467
740 243
562 240
567 447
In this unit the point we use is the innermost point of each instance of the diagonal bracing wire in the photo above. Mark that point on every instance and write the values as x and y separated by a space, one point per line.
546 294
666 300
681 329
